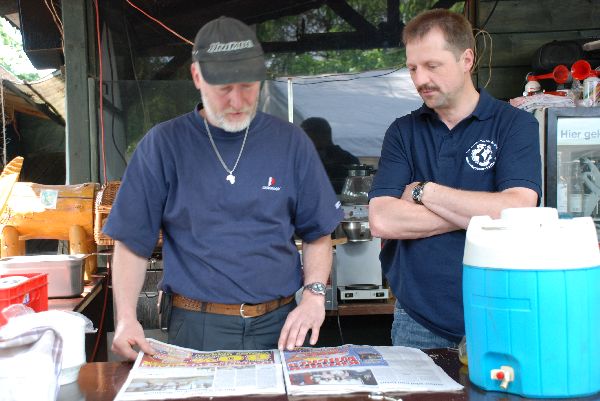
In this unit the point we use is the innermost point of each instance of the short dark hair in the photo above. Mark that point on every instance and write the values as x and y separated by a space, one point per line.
318 129
457 30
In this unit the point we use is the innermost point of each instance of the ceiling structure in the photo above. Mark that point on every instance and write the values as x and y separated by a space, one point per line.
42 41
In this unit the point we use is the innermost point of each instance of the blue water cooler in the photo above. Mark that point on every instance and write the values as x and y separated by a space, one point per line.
531 287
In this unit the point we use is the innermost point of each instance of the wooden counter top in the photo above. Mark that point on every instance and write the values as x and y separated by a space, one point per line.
101 382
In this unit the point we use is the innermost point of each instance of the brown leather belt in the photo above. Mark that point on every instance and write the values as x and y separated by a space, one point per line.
243 310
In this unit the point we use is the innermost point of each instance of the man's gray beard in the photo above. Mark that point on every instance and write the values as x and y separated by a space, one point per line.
221 122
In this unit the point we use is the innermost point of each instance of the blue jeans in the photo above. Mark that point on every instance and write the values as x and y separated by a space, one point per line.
409 333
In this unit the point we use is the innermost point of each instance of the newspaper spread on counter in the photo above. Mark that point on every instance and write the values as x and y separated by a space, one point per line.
358 368
175 372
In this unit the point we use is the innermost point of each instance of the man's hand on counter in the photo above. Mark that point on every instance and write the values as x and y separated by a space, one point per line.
129 336
308 315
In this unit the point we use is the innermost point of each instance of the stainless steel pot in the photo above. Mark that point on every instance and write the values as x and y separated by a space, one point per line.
357 231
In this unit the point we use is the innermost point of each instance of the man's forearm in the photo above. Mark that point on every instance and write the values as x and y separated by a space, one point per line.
128 274
393 218
458 206
317 257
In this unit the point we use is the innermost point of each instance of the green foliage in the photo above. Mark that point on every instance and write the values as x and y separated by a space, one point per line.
323 20
12 56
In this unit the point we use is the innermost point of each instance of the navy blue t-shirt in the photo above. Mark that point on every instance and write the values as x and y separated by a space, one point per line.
221 242
493 149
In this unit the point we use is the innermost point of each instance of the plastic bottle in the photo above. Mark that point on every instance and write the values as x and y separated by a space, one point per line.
591 91
462 351
562 196
575 190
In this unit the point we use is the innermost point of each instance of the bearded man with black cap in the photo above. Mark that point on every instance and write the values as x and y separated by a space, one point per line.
229 187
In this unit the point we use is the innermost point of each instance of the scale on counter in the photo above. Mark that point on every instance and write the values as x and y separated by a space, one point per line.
353 292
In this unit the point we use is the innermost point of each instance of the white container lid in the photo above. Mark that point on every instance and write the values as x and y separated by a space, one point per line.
531 239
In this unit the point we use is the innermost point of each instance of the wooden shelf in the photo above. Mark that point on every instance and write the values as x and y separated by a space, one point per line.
364 308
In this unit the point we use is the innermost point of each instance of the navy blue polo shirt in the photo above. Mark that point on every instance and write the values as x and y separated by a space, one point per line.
225 243
494 148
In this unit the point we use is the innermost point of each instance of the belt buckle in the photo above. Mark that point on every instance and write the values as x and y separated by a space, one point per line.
242 312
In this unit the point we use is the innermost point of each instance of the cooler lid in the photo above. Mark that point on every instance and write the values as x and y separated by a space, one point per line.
531 239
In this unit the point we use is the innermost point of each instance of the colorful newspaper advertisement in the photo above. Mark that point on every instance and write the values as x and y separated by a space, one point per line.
360 368
175 372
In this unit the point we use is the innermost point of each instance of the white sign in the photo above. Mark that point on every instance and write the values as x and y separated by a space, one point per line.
578 131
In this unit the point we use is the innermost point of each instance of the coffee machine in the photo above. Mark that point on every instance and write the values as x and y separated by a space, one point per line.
358 271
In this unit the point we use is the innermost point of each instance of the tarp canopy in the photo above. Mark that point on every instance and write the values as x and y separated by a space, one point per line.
359 107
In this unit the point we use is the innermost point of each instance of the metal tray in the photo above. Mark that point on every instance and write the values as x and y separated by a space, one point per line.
65 272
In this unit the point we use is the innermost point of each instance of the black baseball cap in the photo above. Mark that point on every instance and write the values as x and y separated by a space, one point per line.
228 52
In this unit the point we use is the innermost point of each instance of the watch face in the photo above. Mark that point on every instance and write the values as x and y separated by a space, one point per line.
417 193
316 288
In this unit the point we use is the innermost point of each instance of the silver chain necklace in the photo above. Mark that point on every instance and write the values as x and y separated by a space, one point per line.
230 177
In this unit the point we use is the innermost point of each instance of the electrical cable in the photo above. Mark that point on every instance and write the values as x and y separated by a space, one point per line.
56 19
160 23
100 89
478 55
3 122
103 152
489 15
112 99
103 313
135 77
339 80
339 325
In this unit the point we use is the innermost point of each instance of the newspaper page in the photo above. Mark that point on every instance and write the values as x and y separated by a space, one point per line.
359 368
175 372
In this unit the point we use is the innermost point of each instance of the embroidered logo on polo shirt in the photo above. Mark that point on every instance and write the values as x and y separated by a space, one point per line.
271 185
482 155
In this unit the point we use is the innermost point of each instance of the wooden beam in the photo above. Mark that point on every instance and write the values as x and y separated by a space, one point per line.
357 21
444 4
327 41
78 158
393 26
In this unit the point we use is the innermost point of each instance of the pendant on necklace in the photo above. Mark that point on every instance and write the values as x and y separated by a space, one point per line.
231 178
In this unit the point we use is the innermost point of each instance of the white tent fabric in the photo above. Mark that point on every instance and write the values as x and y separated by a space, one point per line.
359 107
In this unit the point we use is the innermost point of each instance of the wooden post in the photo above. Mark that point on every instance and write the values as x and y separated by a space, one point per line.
79 243
11 246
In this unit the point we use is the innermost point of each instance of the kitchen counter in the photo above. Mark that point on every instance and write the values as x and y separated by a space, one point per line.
102 381
77 304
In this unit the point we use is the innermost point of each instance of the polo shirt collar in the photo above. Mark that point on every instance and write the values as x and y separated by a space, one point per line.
483 110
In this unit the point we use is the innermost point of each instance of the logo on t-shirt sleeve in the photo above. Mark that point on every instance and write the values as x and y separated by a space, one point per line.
482 155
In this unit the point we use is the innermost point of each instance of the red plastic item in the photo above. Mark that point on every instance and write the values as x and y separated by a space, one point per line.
581 70
33 293
560 74
500 375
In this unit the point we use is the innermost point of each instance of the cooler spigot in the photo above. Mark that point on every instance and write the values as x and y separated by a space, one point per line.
505 374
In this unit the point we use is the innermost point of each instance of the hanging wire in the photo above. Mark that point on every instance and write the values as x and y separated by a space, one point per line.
354 76
100 89
490 15
479 54
3 122
160 23
56 18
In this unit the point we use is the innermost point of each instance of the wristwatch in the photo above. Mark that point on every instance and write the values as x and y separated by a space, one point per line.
316 288
417 192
